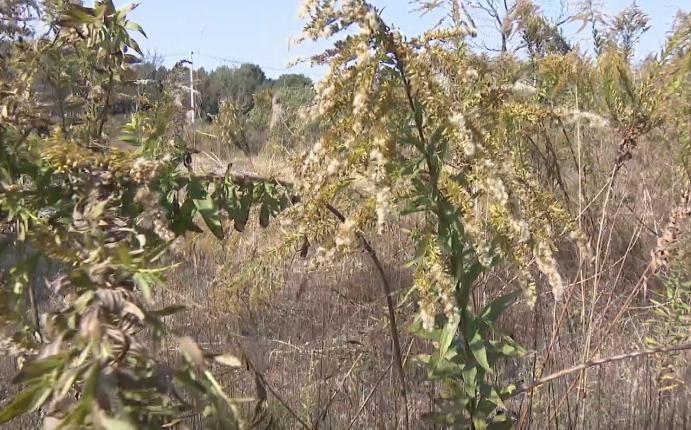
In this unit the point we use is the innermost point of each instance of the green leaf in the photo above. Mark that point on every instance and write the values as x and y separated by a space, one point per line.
27 401
504 348
448 334
418 330
475 340
183 219
135 27
38 368
123 11
507 424
196 190
479 422
423 358
438 134
91 384
272 204
209 212
491 398
496 308
470 275
477 347
470 377
448 369
242 211
143 281
77 15
130 137
264 214
133 59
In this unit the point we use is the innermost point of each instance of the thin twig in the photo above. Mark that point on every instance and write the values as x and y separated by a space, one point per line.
325 410
369 396
374 389
274 392
598 362
244 177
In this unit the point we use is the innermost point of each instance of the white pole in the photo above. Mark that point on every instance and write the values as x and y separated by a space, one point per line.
192 84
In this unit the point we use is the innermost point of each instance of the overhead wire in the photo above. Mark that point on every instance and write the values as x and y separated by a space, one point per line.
237 62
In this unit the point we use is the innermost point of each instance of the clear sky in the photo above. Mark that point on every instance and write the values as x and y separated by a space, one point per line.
258 31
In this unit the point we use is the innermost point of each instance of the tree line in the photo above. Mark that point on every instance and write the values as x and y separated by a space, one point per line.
240 85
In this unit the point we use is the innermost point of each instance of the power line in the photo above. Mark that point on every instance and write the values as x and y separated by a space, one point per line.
237 62
233 61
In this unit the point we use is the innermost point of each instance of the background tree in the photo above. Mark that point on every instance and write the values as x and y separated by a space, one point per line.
16 17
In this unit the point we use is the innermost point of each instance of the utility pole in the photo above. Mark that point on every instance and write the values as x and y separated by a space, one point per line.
190 62
192 86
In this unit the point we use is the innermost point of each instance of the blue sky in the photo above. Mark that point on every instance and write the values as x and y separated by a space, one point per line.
228 31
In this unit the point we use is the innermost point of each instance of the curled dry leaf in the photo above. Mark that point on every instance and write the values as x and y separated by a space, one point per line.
228 360
90 326
191 350
131 308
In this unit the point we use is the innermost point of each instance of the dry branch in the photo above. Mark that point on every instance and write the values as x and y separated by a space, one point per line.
598 362
268 386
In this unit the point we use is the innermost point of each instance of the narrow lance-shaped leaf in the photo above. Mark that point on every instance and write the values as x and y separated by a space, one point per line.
475 340
209 212
497 307
448 334
27 401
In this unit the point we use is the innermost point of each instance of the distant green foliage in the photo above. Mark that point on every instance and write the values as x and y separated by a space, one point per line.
292 80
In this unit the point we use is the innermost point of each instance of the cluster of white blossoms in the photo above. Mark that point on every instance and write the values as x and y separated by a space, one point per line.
383 206
427 314
435 287
326 19
529 288
379 181
584 247
445 289
324 100
497 190
520 89
499 208
367 65
462 135
548 266
311 166
590 119
490 176
345 235
321 257
144 170
333 167
471 74
153 216
521 228
345 238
